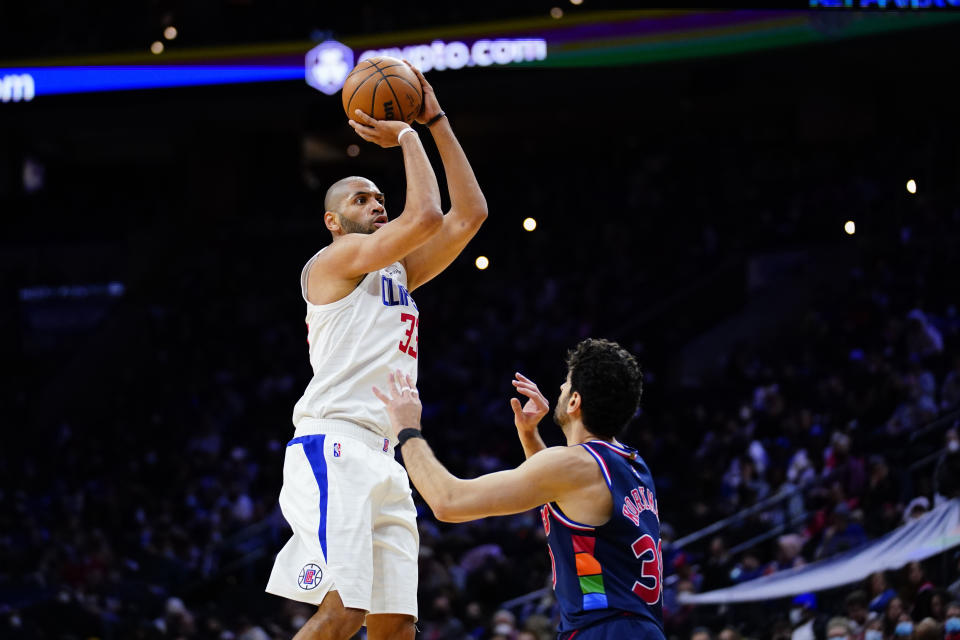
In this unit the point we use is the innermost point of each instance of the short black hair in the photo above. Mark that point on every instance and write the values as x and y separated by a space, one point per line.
856 598
610 384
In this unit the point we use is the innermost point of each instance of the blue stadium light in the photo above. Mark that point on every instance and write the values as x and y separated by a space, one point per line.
25 83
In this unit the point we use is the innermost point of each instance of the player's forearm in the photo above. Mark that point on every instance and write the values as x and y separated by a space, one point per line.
466 198
531 442
423 192
436 485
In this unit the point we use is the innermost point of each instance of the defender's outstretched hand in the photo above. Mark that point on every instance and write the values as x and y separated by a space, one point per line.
403 402
527 417
381 132
430 106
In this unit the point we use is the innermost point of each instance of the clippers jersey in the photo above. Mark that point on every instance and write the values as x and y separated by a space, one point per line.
601 573
355 342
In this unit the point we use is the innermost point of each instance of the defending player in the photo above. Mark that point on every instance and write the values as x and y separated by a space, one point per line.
355 545
599 506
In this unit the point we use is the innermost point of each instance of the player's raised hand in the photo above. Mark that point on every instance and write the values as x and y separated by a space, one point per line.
528 416
381 132
403 402
430 105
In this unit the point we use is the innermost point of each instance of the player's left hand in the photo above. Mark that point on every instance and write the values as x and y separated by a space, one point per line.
527 417
403 402
430 105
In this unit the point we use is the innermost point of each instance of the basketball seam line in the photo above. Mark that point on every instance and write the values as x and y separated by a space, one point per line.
419 94
395 97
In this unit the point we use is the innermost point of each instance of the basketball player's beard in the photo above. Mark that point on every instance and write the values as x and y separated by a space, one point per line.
560 417
350 226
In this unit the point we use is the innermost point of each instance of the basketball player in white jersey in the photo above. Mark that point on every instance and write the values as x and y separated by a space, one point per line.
355 545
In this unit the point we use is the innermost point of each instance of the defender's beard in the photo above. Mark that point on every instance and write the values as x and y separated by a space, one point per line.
560 417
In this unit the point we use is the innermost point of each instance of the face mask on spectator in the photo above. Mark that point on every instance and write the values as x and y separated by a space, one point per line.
952 625
903 629
873 634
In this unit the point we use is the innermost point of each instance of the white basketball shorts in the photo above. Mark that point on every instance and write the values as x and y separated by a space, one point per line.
349 504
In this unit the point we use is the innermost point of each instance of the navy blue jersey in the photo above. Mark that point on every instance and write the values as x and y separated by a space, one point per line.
604 572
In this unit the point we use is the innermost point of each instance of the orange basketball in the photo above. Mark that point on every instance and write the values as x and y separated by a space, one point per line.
384 88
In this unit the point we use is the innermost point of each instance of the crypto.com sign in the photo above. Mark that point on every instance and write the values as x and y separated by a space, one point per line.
328 64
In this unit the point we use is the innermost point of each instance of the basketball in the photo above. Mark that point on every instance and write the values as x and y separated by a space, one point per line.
384 88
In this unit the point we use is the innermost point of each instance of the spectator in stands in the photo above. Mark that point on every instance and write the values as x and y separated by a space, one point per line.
951 625
799 471
915 509
838 629
789 547
931 603
701 633
874 627
918 405
803 613
880 591
840 466
855 605
903 629
716 568
842 534
891 615
729 633
914 585
881 510
923 339
747 569
504 624
928 629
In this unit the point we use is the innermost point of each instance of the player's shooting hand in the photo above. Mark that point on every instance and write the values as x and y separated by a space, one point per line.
430 105
528 416
381 132
403 402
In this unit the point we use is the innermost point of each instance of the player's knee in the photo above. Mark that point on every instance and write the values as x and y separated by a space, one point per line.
391 627
333 620
334 624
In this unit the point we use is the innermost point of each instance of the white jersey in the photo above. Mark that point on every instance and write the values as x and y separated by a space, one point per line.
355 343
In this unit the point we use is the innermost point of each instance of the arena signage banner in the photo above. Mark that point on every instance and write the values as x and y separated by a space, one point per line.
929 535
589 39
328 64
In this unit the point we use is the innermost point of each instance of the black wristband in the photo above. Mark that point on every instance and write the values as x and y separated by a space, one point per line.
406 434
432 121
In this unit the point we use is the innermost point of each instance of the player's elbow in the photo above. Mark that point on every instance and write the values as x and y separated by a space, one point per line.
480 212
446 508
428 218
451 516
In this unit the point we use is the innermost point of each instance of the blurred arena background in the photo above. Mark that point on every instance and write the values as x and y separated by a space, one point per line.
762 205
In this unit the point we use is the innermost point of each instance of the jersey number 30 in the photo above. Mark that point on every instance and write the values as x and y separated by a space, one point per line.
411 334
651 569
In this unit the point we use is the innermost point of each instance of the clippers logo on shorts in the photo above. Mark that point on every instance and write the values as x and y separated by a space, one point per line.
386 445
310 577
336 449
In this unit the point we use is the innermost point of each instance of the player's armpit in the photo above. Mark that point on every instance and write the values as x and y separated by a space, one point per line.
547 477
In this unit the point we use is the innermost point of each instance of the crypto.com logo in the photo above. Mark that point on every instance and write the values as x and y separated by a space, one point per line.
328 64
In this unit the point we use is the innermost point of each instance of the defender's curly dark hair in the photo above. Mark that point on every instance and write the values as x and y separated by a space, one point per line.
610 384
